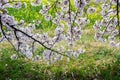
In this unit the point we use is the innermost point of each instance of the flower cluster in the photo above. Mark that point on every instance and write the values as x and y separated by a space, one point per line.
80 4
36 3
106 29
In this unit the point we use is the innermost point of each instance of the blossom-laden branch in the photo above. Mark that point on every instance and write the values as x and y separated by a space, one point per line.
31 37
69 21
107 27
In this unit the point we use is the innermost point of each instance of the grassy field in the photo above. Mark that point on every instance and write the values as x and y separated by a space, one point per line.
99 62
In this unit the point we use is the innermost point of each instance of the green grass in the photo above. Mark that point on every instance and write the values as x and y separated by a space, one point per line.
102 63
99 62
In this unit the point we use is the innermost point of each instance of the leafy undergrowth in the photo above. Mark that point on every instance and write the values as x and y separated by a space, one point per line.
101 63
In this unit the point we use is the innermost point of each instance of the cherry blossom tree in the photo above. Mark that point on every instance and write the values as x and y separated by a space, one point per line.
22 37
